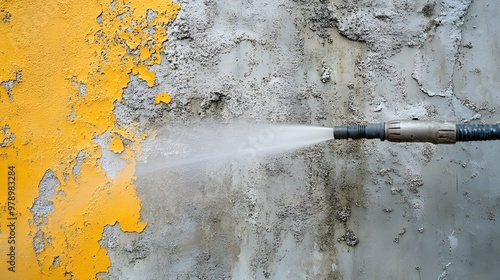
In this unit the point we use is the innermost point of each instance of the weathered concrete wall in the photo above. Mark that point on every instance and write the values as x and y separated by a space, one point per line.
419 211
337 210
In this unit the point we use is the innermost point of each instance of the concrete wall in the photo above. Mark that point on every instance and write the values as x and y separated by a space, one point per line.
335 210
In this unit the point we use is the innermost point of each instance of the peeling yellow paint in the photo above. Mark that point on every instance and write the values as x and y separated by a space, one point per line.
143 73
162 97
116 145
46 48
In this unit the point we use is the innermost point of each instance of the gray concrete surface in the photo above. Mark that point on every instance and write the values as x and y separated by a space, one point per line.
337 210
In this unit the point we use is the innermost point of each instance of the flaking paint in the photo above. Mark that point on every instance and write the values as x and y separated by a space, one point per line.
46 48
162 97
116 145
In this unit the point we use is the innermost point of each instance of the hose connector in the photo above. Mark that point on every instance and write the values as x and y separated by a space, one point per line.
420 131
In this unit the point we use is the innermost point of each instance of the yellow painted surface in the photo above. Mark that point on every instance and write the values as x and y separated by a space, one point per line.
116 145
63 64
162 97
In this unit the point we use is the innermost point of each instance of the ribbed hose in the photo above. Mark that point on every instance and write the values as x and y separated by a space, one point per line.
478 132
369 131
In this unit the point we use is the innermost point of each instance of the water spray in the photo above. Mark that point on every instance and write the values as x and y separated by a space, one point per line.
419 131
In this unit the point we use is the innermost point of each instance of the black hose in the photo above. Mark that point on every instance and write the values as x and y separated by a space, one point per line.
369 131
478 132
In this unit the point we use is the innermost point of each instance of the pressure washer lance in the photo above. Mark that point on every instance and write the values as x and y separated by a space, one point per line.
419 131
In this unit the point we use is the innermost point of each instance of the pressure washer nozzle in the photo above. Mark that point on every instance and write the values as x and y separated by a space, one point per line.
419 131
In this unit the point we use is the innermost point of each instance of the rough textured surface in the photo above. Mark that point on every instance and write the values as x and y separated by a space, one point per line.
43 206
328 211
336 210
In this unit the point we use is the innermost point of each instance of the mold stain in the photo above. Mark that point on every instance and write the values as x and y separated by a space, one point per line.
57 45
